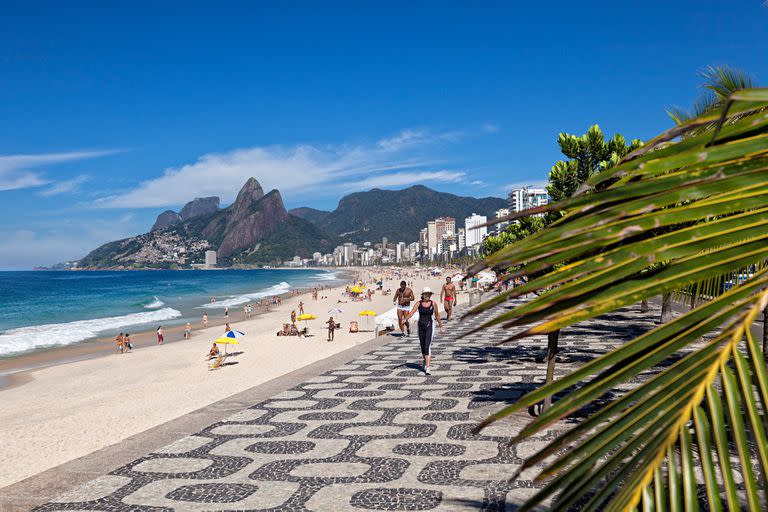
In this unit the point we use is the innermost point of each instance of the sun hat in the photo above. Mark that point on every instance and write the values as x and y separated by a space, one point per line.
426 290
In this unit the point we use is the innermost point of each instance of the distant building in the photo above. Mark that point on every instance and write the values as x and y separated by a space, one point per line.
475 236
436 230
523 198
501 213
210 259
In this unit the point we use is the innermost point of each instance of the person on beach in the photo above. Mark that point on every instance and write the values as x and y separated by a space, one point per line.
214 352
293 316
120 341
127 343
187 331
427 308
301 308
227 328
160 337
205 320
331 327
448 297
226 311
403 298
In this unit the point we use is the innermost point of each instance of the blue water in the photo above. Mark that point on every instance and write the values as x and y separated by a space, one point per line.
45 309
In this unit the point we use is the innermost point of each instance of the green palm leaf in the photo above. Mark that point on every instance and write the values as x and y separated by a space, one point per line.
673 216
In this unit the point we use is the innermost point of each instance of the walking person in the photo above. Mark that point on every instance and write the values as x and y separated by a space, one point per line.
448 298
160 337
301 308
127 343
187 331
427 308
331 327
226 311
205 320
120 341
403 298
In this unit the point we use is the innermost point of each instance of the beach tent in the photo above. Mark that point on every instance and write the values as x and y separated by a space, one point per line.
387 319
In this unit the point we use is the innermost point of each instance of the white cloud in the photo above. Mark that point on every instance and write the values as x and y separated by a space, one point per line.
64 187
490 128
410 138
15 173
296 170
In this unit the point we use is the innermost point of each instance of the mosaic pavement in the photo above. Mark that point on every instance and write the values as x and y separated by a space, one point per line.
374 434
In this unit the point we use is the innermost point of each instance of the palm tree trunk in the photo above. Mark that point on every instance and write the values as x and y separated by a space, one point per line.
666 307
552 339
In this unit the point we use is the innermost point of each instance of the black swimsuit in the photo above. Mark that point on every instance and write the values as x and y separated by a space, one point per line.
425 328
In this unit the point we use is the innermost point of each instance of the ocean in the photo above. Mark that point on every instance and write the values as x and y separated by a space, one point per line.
39 310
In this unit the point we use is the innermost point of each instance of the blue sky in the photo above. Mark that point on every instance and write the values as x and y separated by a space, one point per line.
109 115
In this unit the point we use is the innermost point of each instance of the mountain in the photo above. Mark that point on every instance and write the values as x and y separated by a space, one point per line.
312 215
396 214
255 228
197 207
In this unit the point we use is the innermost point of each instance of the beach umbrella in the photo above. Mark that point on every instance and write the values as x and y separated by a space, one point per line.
226 341
356 289
335 311
305 317
368 314
234 334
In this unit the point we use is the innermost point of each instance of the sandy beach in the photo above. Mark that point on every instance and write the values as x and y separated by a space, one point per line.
58 413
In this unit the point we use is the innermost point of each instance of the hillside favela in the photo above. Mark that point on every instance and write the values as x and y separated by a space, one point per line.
383 256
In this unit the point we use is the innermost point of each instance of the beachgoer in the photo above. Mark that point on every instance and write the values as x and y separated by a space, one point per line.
403 298
127 342
331 327
301 308
120 341
227 328
187 331
226 311
426 308
293 316
448 297
205 320
160 337
214 352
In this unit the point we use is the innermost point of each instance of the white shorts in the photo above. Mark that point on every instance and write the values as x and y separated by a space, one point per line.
407 309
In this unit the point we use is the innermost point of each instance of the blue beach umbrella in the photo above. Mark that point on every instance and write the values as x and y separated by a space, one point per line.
234 334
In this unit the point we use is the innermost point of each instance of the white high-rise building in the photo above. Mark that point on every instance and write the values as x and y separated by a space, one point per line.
527 197
210 258
436 229
500 213
475 236
399 251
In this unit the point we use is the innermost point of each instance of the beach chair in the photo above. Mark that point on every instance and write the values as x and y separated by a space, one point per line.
215 364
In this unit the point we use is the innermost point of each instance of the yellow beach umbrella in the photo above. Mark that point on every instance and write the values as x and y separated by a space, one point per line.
226 341
306 316
368 314
356 289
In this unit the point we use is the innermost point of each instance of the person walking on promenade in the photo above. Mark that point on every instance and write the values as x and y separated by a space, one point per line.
160 337
205 320
448 297
427 308
403 298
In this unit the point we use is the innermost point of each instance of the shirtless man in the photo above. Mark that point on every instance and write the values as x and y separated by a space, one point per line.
448 297
403 298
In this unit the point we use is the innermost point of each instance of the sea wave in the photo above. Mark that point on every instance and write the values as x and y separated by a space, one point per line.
326 276
24 339
154 304
245 298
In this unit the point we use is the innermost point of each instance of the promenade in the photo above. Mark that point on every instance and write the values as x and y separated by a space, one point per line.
373 433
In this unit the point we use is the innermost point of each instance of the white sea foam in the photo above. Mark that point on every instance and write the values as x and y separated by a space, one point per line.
156 303
242 299
325 276
24 339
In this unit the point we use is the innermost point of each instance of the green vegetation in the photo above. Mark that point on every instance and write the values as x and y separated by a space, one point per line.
695 198
296 237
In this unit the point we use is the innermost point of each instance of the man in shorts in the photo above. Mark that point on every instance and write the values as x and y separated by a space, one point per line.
448 297
403 298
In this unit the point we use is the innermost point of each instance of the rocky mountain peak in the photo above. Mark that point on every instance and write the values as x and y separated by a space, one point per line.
250 193
199 206
166 219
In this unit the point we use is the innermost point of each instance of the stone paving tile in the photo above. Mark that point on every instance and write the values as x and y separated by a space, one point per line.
373 434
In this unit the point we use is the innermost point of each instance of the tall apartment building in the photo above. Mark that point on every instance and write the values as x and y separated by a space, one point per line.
436 230
475 236
526 197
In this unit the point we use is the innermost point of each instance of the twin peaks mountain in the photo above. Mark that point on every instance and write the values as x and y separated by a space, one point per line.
256 228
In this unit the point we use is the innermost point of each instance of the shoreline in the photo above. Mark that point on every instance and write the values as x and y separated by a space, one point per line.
14 369
61 412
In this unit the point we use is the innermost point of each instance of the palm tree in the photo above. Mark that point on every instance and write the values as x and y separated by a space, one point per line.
696 199
719 83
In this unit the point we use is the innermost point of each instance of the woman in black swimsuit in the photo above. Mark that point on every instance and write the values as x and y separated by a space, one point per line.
426 309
